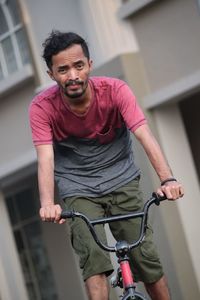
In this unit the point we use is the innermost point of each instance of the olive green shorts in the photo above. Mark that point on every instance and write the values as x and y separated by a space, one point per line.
93 260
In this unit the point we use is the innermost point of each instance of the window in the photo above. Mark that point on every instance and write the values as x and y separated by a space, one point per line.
14 51
23 211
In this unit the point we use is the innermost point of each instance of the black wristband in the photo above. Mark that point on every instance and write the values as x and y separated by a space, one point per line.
168 180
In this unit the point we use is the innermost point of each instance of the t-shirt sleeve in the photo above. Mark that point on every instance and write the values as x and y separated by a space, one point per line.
40 125
130 110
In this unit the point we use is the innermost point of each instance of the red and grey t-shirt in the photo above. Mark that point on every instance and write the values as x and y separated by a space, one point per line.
93 152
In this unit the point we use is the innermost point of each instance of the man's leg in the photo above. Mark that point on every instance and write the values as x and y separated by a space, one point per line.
158 290
94 262
144 260
97 287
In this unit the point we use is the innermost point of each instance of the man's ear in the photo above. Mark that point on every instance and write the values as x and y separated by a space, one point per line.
91 64
49 72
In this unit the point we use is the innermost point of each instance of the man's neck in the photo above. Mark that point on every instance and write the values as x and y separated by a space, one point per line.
80 105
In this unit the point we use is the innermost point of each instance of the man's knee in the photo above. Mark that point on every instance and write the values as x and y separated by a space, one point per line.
158 290
97 287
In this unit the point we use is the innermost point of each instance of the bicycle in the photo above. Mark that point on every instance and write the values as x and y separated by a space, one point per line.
124 277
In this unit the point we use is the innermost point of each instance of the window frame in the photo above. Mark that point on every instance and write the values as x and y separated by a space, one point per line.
19 225
21 67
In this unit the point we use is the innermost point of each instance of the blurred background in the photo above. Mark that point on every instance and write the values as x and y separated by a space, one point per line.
154 45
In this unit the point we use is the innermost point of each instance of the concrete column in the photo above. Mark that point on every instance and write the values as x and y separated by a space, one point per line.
11 279
182 227
35 48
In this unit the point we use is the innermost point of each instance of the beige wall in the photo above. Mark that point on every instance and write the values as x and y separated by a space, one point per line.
169 39
181 221
16 146
11 279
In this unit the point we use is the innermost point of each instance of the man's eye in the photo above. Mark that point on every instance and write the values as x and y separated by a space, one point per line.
62 71
79 66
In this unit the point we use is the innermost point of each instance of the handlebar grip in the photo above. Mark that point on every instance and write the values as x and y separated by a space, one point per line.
67 214
158 198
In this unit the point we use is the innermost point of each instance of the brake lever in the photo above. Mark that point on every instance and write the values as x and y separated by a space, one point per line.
158 198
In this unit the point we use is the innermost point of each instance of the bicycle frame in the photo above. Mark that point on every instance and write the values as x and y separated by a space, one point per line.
122 248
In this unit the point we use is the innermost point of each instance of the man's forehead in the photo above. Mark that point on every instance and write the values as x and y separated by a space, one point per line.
72 54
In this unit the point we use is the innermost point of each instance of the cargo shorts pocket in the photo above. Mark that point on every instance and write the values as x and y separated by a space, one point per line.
80 249
147 247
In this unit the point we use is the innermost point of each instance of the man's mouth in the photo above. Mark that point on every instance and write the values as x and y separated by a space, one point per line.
73 84
75 88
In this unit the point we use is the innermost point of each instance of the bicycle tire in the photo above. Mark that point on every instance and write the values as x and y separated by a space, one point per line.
139 296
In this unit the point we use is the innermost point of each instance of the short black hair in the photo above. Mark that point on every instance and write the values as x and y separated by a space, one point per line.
59 41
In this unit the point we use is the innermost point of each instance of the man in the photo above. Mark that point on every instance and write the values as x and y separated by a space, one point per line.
81 130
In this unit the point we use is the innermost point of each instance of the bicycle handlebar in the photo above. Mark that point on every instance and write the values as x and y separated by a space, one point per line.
155 199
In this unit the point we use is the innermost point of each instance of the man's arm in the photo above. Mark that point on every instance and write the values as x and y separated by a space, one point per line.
49 211
172 189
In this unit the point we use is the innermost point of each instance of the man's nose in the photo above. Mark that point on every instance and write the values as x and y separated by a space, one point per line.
73 74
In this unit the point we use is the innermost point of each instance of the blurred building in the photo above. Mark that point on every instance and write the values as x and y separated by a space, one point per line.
154 46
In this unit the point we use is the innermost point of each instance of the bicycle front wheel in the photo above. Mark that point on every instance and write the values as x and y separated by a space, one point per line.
135 296
139 296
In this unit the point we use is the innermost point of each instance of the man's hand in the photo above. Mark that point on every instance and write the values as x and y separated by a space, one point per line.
51 213
172 190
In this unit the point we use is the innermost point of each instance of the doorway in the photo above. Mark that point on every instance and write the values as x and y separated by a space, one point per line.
190 109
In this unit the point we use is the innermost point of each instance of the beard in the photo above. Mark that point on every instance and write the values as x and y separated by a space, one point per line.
75 94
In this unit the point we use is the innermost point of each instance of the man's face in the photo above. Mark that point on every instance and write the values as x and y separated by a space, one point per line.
71 69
